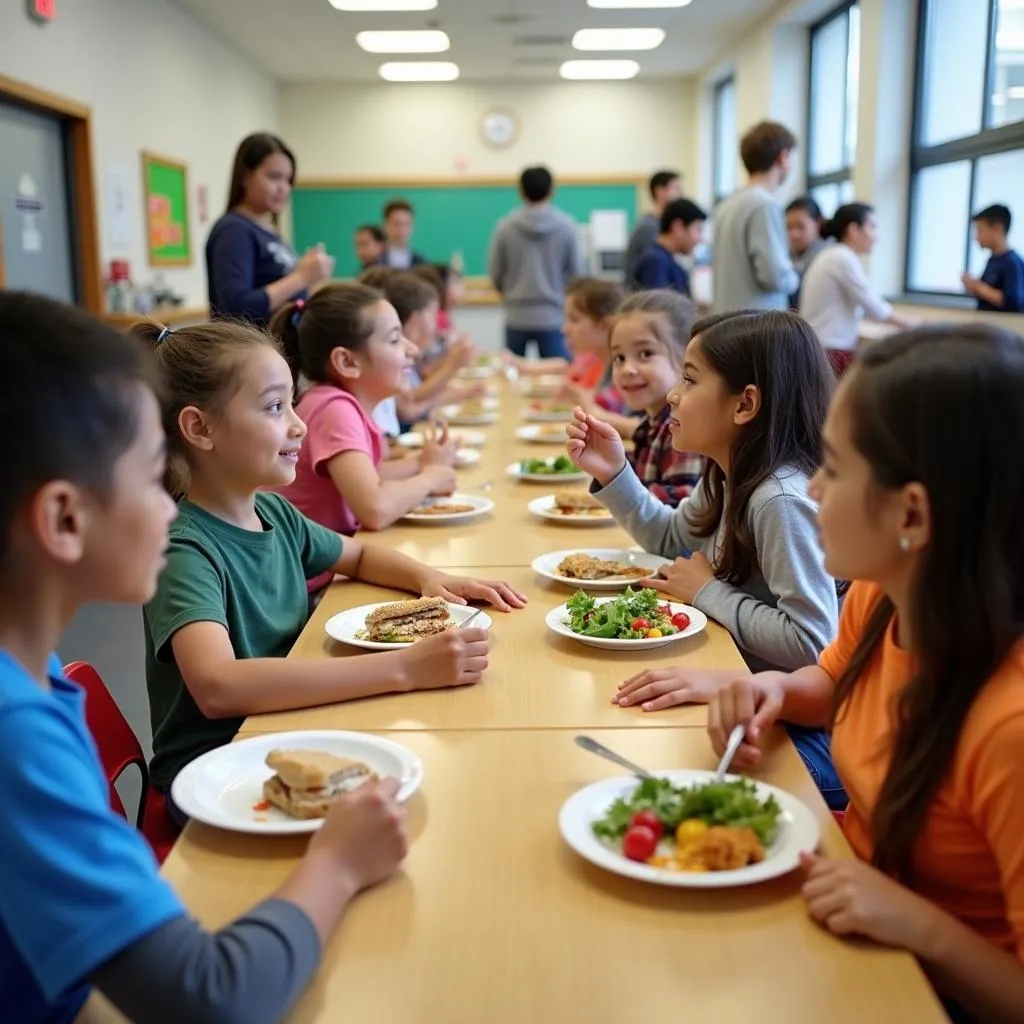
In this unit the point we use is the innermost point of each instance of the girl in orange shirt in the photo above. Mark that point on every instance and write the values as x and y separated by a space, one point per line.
922 503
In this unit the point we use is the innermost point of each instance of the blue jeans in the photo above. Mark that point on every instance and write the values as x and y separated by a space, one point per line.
815 750
551 344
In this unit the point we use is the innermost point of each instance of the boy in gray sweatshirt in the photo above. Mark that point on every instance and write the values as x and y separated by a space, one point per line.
752 268
534 254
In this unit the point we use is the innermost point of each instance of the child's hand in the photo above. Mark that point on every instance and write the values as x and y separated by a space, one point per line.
442 479
751 701
655 689
462 589
315 265
570 392
970 283
683 578
439 447
595 447
364 834
455 658
460 353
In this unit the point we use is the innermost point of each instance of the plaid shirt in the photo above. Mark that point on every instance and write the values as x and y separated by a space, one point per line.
669 475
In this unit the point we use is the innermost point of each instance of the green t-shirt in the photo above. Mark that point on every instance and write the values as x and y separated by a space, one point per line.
253 584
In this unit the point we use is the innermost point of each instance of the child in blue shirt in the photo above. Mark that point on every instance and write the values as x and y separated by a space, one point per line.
1001 286
682 230
84 517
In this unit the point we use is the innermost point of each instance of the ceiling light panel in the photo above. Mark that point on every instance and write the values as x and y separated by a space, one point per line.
599 70
618 38
419 71
427 41
636 5
383 5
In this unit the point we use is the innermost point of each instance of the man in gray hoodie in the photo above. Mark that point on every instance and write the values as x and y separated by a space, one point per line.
534 254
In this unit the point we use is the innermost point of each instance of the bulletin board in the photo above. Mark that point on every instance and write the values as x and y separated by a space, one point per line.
165 189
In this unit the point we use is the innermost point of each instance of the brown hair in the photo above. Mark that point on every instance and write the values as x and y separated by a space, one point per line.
398 206
198 366
780 355
251 152
409 294
670 314
429 272
920 402
375 277
335 316
764 144
595 298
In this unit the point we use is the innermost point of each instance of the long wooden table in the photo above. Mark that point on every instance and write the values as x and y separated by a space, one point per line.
493 920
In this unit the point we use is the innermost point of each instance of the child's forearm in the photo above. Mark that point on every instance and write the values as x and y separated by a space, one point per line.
377 507
385 567
807 694
400 468
987 293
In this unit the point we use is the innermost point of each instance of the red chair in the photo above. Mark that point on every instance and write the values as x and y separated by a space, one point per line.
119 749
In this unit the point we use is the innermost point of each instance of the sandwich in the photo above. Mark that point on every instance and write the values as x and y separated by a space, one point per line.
405 621
309 781
578 503
586 567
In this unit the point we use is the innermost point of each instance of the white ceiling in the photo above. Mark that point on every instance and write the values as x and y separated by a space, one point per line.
308 40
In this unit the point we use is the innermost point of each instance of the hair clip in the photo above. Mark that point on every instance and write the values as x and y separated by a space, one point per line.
300 306
163 334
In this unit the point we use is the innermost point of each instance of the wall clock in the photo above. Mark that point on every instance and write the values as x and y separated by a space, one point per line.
500 127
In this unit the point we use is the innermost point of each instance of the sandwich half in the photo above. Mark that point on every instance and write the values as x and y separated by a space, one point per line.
309 781
403 622
577 501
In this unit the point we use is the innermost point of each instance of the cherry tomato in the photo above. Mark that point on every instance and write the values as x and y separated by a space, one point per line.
638 625
654 633
681 621
639 843
666 610
648 819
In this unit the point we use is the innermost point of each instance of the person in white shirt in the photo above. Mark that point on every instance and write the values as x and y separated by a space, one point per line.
836 292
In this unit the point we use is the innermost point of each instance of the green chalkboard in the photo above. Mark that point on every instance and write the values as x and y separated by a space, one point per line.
165 186
459 217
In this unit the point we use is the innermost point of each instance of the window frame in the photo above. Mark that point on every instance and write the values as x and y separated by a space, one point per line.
845 173
726 82
988 141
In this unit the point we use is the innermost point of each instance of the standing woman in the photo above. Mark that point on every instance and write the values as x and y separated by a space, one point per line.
836 292
251 270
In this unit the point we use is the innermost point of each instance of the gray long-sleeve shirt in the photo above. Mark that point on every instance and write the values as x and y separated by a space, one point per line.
752 269
787 612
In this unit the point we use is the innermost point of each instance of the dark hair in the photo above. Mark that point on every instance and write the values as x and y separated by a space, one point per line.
373 230
595 298
70 399
670 313
536 184
433 275
375 277
398 206
680 209
808 205
409 294
844 217
920 402
996 215
251 152
660 179
763 144
335 316
780 355
198 366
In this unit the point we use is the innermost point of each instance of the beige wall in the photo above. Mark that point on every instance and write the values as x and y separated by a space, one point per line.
154 80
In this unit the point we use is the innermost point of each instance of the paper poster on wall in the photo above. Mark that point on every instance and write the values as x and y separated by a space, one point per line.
119 222
165 184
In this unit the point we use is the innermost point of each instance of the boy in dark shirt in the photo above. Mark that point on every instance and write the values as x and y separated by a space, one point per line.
682 228
1001 286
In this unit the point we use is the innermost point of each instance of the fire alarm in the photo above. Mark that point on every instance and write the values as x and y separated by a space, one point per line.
42 10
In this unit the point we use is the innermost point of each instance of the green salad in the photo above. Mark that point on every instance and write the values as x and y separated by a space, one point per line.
732 803
548 467
633 615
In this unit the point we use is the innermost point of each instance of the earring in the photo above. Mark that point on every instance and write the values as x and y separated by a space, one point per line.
904 543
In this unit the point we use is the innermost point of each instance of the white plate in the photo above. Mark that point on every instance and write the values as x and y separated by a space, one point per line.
222 786
546 416
345 626
476 372
545 508
798 832
453 414
558 622
536 434
547 566
470 438
481 506
467 457
514 471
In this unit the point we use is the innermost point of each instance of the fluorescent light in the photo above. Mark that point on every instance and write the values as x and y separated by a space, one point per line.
1015 92
403 42
419 71
636 5
592 70
618 38
383 5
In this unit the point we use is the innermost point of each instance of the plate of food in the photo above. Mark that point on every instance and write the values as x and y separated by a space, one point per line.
284 783
480 368
543 471
475 412
467 457
544 386
636 620
542 433
394 624
466 438
597 568
576 508
548 412
682 828
455 508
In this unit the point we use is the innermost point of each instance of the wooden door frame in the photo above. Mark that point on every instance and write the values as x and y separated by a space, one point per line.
77 118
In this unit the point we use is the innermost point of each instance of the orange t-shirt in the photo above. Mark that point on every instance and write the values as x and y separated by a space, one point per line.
586 371
970 855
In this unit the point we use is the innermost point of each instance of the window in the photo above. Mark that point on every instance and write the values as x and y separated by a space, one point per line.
724 138
968 142
832 107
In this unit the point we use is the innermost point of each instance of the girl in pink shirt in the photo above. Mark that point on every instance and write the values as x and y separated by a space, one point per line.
346 341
